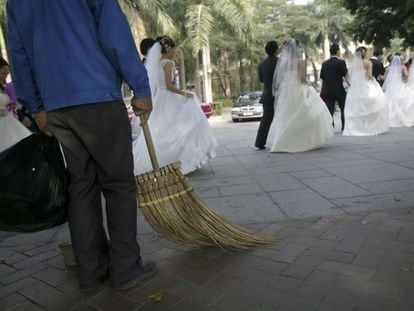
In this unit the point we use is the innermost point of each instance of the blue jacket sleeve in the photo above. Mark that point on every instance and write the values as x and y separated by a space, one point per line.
25 86
116 39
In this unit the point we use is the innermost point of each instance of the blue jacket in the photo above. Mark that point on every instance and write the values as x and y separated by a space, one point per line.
71 52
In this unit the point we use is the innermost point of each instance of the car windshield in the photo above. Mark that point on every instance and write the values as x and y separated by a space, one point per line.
248 99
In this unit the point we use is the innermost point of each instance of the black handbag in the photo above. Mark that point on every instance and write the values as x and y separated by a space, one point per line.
33 185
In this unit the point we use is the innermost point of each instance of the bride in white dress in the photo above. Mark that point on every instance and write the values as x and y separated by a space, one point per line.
178 126
366 112
302 120
11 130
399 96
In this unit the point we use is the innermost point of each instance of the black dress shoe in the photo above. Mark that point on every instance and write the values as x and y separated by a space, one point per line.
260 147
92 286
148 270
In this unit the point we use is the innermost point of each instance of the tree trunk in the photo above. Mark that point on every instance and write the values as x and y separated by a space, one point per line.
241 75
326 52
182 70
3 45
197 88
227 75
315 70
207 87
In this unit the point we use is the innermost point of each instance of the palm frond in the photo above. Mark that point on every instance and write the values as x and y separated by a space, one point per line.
199 23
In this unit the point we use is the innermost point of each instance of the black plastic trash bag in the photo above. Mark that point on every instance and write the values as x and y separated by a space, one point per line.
32 185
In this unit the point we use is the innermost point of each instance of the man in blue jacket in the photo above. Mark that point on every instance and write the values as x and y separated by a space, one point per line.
69 59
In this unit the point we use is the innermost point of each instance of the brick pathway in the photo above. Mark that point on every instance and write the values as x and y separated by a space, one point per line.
345 215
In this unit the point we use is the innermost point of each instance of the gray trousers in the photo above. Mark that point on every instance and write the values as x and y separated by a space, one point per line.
97 145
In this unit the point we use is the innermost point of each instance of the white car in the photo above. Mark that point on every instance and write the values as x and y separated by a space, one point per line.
247 106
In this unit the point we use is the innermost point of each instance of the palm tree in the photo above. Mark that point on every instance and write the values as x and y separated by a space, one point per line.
202 19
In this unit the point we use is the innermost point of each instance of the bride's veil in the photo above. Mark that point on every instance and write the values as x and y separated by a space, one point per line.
356 71
394 74
287 67
152 64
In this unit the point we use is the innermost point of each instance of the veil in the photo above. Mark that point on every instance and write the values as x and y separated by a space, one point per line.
287 67
357 69
152 64
394 74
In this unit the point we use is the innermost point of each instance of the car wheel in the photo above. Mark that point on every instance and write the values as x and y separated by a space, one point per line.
236 120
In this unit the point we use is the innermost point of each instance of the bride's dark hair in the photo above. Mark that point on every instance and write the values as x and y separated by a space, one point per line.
166 43
361 51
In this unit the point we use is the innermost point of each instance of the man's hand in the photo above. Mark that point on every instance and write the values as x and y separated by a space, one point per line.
142 107
41 122
26 122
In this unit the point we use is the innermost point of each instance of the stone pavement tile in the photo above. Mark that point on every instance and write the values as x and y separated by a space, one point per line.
240 189
23 273
374 202
223 283
254 290
329 254
11 288
58 262
389 186
9 256
167 302
195 293
394 272
53 276
368 287
372 303
390 225
338 299
262 264
406 300
230 171
364 173
405 236
276 282
292 302
334 187
324 223
84 307
187 306
11 300
109 300
400 256
24 305
5 270
208 192
35 259
225 181
346 269
394 245
239 302
224 161
304 223
278 182
314 242
302 267
290 252
282 168
41 249
304 203
370 257
311 174
318 285
351 244
200 174
46 296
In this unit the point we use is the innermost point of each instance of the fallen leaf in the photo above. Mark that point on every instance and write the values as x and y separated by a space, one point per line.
156 297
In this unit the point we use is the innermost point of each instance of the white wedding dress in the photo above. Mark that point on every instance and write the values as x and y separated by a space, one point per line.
178 126
399 96
366 111
11 130
302 121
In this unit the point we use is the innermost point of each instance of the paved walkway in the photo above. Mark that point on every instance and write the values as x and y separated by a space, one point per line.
345 213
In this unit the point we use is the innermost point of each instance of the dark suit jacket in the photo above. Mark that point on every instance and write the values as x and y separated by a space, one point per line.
377 68
266 72
332 73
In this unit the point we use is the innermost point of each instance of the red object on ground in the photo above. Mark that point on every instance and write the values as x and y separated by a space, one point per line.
207 109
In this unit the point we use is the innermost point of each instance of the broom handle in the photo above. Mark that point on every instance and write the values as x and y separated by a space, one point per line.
150 146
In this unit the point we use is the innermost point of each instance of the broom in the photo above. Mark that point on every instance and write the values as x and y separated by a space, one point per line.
173 209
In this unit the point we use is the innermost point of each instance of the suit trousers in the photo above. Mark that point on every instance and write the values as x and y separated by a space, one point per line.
265 123
330 102
97 145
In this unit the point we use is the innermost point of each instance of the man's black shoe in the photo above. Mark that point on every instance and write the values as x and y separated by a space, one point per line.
260 147
149 269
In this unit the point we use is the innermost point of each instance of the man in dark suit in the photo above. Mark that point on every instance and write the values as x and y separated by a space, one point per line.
266 72
378 69
332 75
